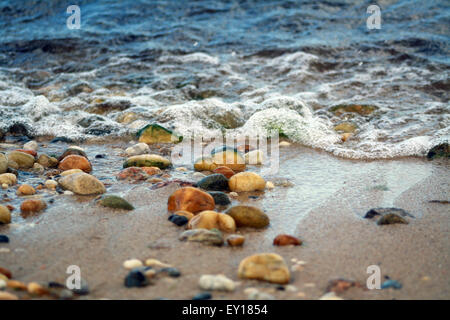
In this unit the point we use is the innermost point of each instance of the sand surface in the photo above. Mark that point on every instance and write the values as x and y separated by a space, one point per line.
323 206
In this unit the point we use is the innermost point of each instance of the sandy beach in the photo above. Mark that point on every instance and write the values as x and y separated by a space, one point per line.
318 198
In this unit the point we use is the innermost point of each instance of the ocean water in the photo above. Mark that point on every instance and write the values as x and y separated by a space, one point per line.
215 67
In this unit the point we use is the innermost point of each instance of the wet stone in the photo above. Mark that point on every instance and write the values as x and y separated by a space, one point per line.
115 202
202 296
220 198
136 278
178 220
214 182
4 238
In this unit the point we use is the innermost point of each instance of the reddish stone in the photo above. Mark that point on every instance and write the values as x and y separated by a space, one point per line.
75 162
227 172
132 173
32 205
30 152
285 240
190 199
151 170
6 272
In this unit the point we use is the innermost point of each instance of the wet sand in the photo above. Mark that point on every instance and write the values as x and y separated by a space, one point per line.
323 206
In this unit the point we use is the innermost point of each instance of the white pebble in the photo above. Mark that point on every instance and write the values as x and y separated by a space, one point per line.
4 186
233 194
31 145
216 282
284 144
270 185
132 263
68 193
137 149
330 296
156 263
2 284
181 169
51 184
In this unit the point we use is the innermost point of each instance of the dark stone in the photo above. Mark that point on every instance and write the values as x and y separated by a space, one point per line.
391 218
171 272
4 239
384 211
253 197
440 151
20 129
62 139
214 182
54 284
202 296
136 278
220 198
178 220
100 156
391 284
72 151
89 120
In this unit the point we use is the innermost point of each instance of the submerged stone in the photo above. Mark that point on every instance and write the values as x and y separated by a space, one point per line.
248 216
220 198
439 151
360 109
214 182
205 236
147 160
154 133
115 202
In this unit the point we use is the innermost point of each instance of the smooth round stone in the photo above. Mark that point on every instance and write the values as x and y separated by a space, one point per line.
69 172
38 168
268 267
216 282
204 236
32 206
170 271
5 215
23 160
190 199
270 185
137 149
231 159
132 173
235 240
286 240
204 164
12 165
30 152
154 133
75 162
178 220
227 172
346 127
82 184
154 263
147 160
31 145
36 289
246 181
3 239
284 144
136 278
51 184
151 170
248 216
213 220
391 218
220 198
255 157
214 182
46 161
132 263
3 163
25 190
73 150
115 202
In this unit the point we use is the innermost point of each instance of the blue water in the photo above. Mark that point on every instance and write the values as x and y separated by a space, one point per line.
242 53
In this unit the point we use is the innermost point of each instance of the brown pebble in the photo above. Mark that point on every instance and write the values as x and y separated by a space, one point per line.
235 240
16 285
227 172
6 272
7 296
10 207
35 288
25 190
32 205
75 162
285 240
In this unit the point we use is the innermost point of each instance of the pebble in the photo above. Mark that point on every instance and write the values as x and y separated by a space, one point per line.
6 273
7 296
441 150
154 133
284 144
391 284
202 235
73 150
205 164
31 145
115 202
384 211
51 184
170 271
132 263
133 173
178 220
235 240
23 160
227 172
32 206
220 198
16 285
229 158
190 199
2 284
286 240
198 175
346 127
212 220
4 238
147 160
268 267
330 296
25 190
8 179
136 278
186 214
69 172
254 157
83 290
216 282
181 169
4 186
5 215
233 194
258 295
46 161
202 296
35 288
270 185
248 216
137 149
246 181
68 193
391 218
156 263
12 165
37 168
214 182
3 163
75 162
82 183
